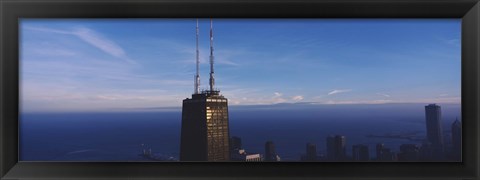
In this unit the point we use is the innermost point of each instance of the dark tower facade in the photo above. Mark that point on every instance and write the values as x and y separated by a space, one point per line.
457 140
378 150
235 143
311 152
336 150
409 152
270 153
433 116
205 132
360 152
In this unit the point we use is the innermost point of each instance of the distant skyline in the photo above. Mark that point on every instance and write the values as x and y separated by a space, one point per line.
106 64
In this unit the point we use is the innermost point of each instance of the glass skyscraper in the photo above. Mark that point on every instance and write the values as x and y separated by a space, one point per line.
311 152
433 114
336 150
270 153
205 133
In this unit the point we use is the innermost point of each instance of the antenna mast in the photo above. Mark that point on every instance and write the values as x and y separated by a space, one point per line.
212 79
197 76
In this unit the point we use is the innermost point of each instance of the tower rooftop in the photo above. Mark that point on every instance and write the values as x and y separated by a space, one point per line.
207 94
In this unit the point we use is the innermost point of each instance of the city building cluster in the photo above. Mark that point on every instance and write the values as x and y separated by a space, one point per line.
433 148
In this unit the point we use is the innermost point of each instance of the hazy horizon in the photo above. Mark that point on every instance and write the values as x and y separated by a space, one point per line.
239 107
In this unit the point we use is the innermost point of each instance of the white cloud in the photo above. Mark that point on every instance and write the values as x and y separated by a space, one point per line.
297 98
106 45
56 97
382 94
380 101
93 38
277 94
226 62
226 56
339 91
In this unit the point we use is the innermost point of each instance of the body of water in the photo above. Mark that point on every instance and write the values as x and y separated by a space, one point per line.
118 136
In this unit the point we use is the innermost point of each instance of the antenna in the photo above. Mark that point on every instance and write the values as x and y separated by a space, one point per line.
212 79
197 76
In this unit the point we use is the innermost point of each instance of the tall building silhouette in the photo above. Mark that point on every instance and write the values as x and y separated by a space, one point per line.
378 150
457 140
360 152
205 132
311 152
409 152
384 154
433 114
336 150
235 143
270 153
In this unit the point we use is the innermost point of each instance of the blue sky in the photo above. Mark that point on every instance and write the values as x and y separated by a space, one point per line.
97 65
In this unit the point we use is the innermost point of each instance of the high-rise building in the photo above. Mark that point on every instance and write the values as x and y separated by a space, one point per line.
205 132
409 152
360 152
388 155
235 144
336 150
384 154
379 147
457 140
433 116
311 152
270 153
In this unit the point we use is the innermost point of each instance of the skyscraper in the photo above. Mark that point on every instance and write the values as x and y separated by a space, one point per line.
235 143
384 154
387 155
409 152
433 116
205 132
311 152
379 148
360 152
336 148
457 140
270 153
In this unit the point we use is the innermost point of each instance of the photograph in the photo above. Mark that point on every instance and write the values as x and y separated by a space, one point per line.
240 90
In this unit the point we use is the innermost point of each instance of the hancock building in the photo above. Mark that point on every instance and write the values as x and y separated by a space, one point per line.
205 132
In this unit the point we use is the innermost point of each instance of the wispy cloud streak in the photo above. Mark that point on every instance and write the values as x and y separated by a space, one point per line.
93 38
382 94
337 91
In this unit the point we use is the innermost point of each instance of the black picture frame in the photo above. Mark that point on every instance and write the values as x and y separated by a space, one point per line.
12 10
